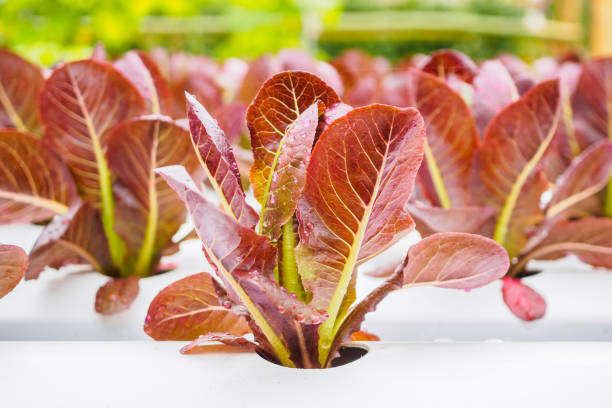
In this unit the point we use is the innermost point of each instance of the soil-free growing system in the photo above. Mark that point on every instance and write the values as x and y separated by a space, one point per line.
512 166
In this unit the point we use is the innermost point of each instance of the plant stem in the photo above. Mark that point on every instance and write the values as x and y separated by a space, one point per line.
116 245
436 177
607 210
11 112
608 200
145 255
289 276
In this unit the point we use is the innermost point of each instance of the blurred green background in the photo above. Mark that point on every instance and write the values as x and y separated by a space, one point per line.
53 30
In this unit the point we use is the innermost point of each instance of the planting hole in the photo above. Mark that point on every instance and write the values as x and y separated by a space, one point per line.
348 354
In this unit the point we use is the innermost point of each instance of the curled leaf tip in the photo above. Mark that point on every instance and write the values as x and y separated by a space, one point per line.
363 335
522 300
116 295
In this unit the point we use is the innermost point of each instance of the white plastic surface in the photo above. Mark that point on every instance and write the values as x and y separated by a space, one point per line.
439 373
148 374
59 305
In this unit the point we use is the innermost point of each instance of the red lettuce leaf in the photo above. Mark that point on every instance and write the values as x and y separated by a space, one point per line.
588 174
230 75
142 71
358 182
232 248
231 119
299 60
116 295
591 108
514 144
295 322
451 139
363 335
231 245
20 85
179 180
590 239
13 264
289 173
524 302
189 308
448 260
79 103
200 344
244 260
135 148
353 207
362 77
34 184
260 70
565 145
193 74
332 113
76 237
278 104
443 63
217 159
519 71
494 89
472 219
591 102
454 260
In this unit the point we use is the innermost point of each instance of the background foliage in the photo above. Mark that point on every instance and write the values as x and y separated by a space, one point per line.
53 30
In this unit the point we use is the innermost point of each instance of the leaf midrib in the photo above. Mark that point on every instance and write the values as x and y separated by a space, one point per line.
329 328
436 177
145 255
501 228
10 110
266 196
213 181
116 245
51 205
277 344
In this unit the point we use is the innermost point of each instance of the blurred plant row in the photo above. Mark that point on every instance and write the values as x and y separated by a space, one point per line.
60 30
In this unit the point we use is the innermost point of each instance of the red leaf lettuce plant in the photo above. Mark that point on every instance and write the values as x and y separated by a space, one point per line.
92 168
288 273
505 175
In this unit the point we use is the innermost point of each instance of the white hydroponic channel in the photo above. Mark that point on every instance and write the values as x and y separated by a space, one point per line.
440 347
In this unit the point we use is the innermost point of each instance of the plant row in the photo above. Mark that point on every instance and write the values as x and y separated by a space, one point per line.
494 164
